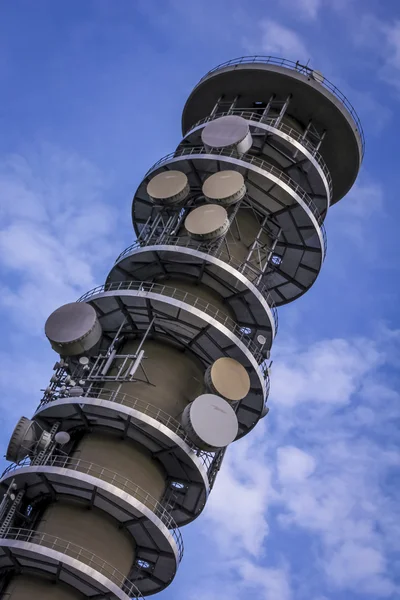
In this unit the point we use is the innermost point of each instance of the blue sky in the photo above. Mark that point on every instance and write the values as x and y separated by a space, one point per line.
306 507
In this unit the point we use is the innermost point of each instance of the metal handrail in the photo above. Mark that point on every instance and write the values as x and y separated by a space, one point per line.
221 253
274 122
77 552
123 483
194 301
295 66
152 411
253 160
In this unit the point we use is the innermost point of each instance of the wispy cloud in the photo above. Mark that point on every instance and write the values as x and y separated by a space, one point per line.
56 232
307 9
357 216
57 236
317 465
383 38
277 40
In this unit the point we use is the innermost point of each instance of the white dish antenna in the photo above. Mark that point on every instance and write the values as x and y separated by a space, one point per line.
62 438
210 422
75 391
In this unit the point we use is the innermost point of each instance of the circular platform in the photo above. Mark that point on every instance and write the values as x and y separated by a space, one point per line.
253 79
284 146
151 526
148 426
271 194
252 305
27 551
193 325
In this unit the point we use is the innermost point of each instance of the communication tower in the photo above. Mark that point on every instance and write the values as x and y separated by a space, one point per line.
167 363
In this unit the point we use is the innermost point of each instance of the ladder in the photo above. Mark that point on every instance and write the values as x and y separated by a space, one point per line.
8 519
41 456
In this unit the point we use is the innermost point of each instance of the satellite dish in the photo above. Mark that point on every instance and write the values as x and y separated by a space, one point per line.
62 438
75 391
207 222
261 339
210 422
83 360
317 75
224 187
73 329
169 187
23 440
228 378
230 132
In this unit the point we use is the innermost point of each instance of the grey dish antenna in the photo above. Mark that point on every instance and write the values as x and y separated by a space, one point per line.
22 441
73 329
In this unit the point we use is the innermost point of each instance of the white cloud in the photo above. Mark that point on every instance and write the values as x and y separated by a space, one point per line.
383 37
55 232
317 463
326 372
308 9
277 40
354 562
239 498
364 199
357 216
293 465
273 583
242 579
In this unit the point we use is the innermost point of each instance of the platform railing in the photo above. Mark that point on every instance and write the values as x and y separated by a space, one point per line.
119 481
78 553
193 301
305 70
252 160
281 126
159 415
221 253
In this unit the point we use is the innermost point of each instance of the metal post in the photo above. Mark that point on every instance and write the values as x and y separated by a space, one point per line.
270 253
216 106
256 240
266 110
233 105
283 110
321 139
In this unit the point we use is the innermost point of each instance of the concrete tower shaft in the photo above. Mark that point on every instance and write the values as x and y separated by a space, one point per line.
167 363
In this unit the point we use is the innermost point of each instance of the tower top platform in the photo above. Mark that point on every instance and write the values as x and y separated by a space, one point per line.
252 80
